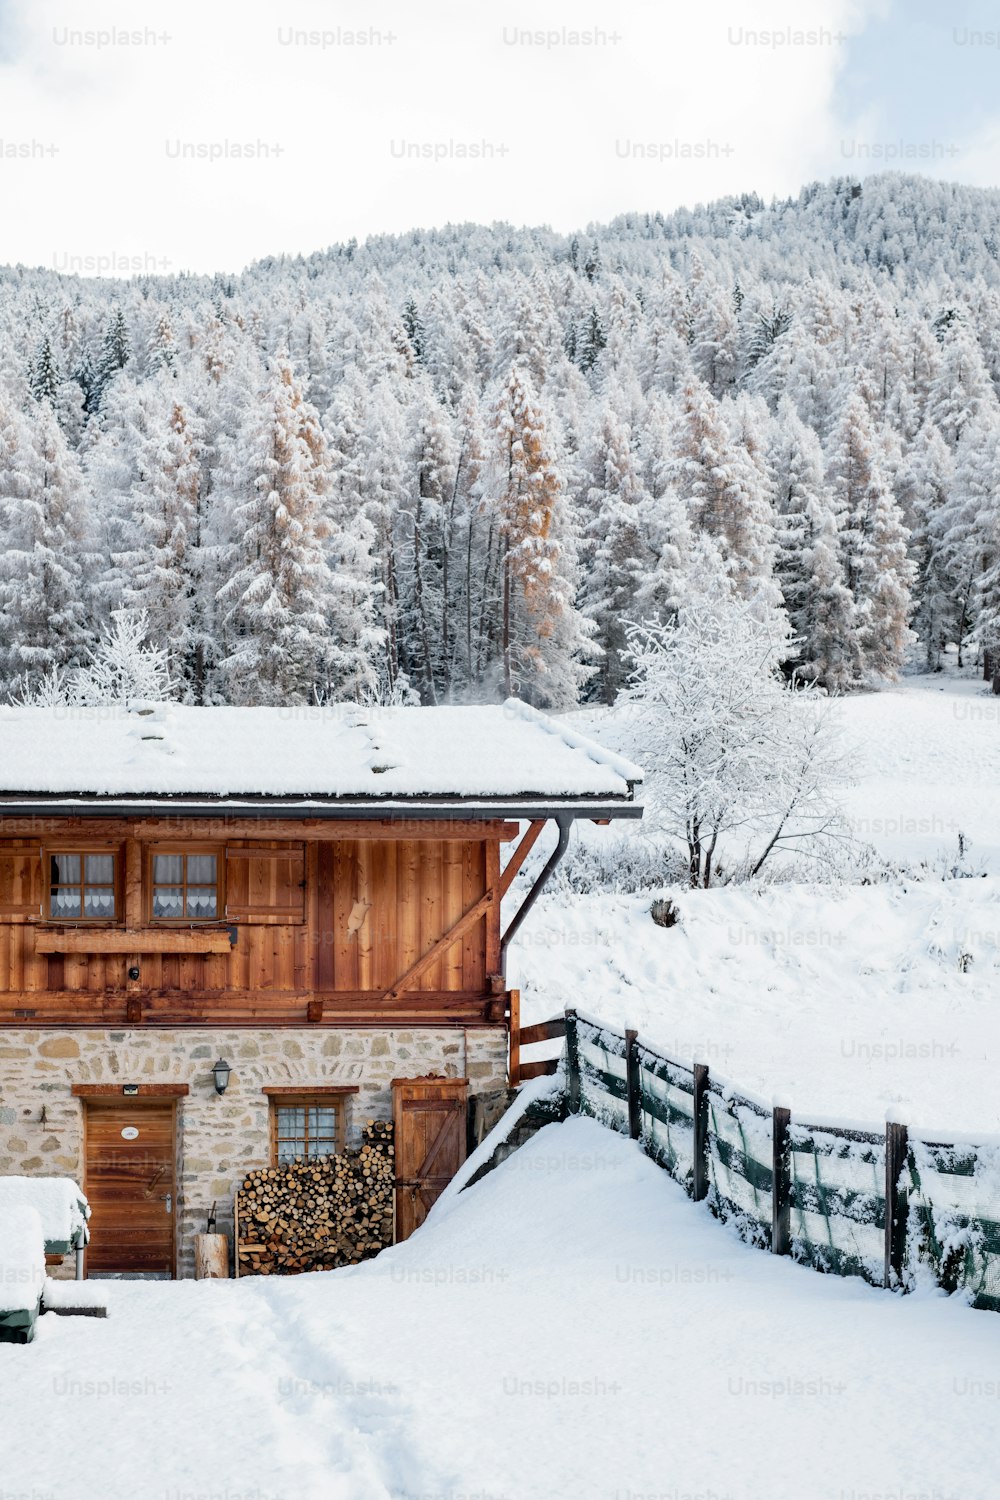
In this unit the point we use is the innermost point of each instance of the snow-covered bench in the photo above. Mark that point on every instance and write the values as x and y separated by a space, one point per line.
22 1273
61 1207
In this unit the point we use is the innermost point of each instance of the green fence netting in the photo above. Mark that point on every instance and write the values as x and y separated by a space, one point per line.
739 1163
603 1073
954 1218
837 1200
831 1190
666 1094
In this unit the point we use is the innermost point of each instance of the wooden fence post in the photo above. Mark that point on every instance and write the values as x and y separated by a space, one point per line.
781 1217
896 1200
699 1186
634 1085
572 1063
514 1071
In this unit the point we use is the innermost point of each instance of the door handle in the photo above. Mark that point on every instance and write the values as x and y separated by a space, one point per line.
153 1181
168 1199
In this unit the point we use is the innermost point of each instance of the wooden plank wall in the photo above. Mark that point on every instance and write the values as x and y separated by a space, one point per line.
331 918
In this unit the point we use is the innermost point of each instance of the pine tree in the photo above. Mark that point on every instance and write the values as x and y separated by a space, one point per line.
616 553
161 566
809 564
542 637
929 483
961 386
725 491
43 522
278 599
44 376
116 351
968 528
433 463
877 568
832 651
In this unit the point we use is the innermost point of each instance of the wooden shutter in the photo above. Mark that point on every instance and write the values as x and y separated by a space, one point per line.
20 883
266 884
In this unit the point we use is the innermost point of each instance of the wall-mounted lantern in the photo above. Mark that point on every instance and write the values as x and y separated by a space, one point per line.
220 1073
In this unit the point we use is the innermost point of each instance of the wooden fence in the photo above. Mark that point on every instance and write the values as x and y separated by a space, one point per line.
525 1036
884 1203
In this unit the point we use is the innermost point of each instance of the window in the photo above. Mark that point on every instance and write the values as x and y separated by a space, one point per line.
307 1123
185 886
82 887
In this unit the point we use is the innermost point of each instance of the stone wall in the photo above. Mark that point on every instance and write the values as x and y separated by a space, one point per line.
41 1122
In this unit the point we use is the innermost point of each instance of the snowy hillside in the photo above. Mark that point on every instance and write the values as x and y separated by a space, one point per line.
848 999
500 446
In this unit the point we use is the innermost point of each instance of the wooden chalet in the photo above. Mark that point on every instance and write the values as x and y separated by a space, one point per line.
310 898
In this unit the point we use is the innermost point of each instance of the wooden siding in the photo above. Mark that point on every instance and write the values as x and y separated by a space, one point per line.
313 930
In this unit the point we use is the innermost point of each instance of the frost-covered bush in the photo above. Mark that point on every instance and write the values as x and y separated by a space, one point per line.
123 669
619 866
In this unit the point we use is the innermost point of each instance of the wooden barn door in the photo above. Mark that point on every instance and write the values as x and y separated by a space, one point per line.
430 1119
131 1185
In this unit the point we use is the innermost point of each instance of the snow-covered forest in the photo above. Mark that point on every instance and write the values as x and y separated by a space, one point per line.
454 464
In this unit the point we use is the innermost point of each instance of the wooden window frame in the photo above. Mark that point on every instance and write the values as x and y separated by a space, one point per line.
83 847
309 1098
218 850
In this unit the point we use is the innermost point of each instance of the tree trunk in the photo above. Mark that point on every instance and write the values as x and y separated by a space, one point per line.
468 605
211 1257
418 587
508 692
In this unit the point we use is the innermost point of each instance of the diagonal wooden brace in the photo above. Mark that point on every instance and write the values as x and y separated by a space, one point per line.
441 945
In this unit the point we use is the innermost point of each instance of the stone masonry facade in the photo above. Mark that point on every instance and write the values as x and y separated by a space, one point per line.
219 1138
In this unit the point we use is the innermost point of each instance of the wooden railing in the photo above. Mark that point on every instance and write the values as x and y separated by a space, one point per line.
524 1036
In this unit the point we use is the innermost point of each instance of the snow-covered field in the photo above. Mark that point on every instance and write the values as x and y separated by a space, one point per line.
572 1327
848 999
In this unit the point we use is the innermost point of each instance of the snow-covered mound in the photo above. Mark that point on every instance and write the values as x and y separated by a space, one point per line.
22 1259
847 999
58 1201
571 1328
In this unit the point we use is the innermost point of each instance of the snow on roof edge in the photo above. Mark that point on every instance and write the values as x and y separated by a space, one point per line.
573 740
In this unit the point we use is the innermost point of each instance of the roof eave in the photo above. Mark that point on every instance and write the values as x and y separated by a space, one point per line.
482 809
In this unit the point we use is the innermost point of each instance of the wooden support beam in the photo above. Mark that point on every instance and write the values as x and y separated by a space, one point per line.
122 940
117 1090
293 1091
519 855
222 827
133 884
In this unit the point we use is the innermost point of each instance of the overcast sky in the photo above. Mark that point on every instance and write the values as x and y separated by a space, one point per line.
666 104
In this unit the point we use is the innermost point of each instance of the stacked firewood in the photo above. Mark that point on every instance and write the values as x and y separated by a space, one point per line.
315 1214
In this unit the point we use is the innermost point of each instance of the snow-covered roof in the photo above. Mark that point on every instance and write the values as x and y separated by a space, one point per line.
492 756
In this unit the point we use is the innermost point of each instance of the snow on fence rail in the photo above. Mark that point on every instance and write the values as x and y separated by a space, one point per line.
891 1205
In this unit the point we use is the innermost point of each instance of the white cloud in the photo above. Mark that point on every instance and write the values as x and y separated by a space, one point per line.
558 123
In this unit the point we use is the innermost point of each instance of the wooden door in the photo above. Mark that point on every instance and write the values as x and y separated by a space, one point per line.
131 1184
430 1133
